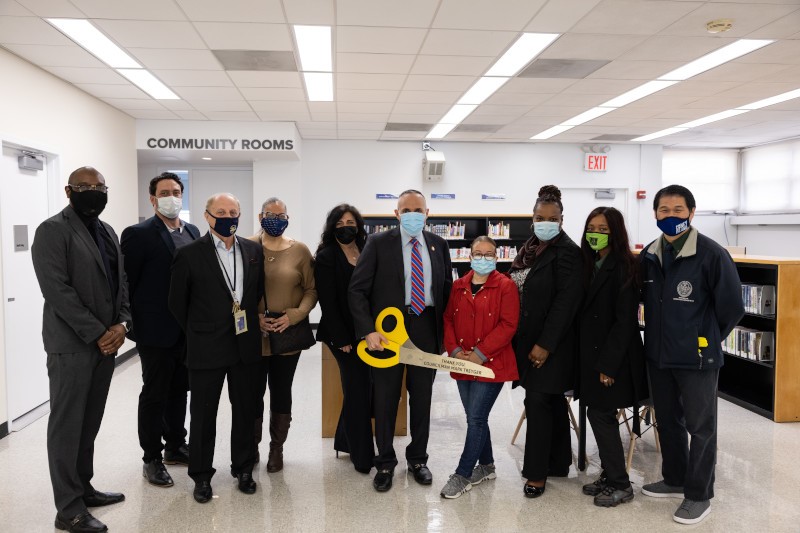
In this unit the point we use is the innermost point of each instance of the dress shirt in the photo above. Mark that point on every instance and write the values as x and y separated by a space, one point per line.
405 238
226 259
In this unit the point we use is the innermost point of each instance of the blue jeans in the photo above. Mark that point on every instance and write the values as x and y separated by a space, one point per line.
478 397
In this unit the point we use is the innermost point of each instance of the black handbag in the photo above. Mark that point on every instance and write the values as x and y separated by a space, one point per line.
293 339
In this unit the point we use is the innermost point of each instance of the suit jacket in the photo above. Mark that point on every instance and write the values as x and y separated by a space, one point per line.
610 341
332 273
378 280
550 299
78 304
200 299
149 249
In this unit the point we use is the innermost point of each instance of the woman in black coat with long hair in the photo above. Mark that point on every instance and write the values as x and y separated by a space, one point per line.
342 240
547 271
611 363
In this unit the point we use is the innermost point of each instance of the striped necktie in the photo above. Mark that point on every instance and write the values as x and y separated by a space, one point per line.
417 279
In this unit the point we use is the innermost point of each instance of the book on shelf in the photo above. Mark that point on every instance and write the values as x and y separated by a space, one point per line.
451 230
499 230
378 228
455 273
750 344
503 253
759 299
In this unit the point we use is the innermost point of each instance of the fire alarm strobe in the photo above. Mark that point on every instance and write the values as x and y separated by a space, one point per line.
641 195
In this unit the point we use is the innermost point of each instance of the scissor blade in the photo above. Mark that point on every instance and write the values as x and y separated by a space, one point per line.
416 357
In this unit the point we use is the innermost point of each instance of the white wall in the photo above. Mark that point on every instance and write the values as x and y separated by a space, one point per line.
41 111
778 240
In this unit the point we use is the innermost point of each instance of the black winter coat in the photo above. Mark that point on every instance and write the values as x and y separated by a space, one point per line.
332 274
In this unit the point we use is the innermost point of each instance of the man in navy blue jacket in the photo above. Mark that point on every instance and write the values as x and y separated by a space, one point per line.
692 301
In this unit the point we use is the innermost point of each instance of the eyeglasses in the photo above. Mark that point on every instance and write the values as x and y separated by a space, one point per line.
84 188
279 216
487 255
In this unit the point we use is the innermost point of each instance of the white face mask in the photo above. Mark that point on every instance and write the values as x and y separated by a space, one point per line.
170 206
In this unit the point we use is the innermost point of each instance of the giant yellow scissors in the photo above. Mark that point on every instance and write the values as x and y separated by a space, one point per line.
405 352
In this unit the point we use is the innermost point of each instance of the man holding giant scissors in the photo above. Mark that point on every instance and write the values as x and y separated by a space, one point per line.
410 269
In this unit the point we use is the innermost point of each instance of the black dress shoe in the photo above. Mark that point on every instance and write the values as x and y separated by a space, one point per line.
246 483
531 491
383 480
82 523
177 457
202 491
99 499
156 474
422 474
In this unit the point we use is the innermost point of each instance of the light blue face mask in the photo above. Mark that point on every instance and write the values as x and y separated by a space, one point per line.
412 223
483 265
546 230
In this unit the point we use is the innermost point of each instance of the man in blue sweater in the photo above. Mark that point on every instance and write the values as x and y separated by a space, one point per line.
692 300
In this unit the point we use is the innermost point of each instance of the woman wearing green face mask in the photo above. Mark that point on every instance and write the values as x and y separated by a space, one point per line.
611 362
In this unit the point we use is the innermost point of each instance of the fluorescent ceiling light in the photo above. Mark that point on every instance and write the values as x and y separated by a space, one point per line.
586 116
638 93
772 100
656 135
440 130
716 58
483 89
522 52
148 83
319 86
552 132
95 42
457 113
314 47
713 118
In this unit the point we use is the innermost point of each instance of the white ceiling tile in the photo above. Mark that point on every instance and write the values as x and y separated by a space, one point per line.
363 117
365 135
324 116
151 34
633 17
247 116
635 70
176 59
441 83
139 10
369 81
191 115
405 14
364 126
673 48
30 30
268 106
421 109
248 78
501 110
9 8
193 78
320 136
511 15
326 126
451 65
577 100
151 114
403 135
660 101
414 119
591 46
274 93
310 12
468 43
782 28
747 18
358 95
466 136
51 8
508 98
429 97
613 119
220 105
233 10
245 36
283 116
374 63
55 56
786 52
176 105
322 107
364 108
561 112
699 88
379 40
601 86
491 119
560 16
127 104
741 72
790 75
112 91
685 114
208 93
537 85
88 75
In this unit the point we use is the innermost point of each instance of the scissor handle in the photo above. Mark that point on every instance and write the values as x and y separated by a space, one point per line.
398 335
376 362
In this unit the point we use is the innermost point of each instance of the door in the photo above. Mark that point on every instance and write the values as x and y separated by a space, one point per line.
578 203
23 205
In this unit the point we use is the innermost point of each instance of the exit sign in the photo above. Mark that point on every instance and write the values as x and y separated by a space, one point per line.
595 162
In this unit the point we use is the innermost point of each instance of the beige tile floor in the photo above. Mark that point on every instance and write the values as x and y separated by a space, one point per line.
757 478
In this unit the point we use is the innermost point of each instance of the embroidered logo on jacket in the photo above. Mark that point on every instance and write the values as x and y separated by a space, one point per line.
684 291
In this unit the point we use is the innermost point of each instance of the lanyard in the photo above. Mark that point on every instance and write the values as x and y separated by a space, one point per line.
225 271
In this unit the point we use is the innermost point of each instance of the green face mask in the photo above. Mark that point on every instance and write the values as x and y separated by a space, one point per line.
597 241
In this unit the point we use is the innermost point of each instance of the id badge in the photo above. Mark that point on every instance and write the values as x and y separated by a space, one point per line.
240 321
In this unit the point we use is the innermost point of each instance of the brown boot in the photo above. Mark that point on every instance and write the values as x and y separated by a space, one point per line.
278 430
257 431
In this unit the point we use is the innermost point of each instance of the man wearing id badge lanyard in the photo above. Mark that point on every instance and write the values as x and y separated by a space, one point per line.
214 293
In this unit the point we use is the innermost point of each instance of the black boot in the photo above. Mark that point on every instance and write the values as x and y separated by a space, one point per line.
278 431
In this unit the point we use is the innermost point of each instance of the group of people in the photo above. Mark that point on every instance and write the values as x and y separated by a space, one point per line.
205 308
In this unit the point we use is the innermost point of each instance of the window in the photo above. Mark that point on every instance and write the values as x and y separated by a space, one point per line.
771 178
711 175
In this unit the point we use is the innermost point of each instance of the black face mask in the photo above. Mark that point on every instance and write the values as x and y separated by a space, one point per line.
345 234
89 203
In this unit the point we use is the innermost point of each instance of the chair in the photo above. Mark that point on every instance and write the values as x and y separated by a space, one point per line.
647 415
572 419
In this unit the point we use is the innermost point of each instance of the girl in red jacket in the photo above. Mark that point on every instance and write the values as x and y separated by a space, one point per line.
479 323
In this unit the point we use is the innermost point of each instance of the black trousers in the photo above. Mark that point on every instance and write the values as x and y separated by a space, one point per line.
387 385
355 421
277 371
206 390
612 457
79 385
548 448
162 402
691 467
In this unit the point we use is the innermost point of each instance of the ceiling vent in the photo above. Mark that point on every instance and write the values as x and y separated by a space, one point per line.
477 128
262 60
576 69
616 137
407 126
